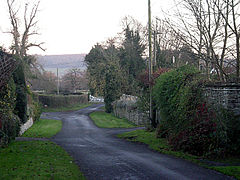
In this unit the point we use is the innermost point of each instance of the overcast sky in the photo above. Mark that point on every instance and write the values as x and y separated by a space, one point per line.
74 26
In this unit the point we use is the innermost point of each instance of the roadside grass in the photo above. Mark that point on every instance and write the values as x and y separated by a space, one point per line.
68 108
228 170
230 160
157 144
44 128
36 160
106 120
232 168
160 145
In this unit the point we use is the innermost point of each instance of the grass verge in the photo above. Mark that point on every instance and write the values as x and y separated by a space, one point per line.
103 108
36 160
68 108
228 170
44 128
157 144
161 145
106 120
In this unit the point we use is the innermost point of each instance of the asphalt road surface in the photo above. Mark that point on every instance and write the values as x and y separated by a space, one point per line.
101 155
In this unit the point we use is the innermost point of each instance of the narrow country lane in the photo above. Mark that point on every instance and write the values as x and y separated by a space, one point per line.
101 155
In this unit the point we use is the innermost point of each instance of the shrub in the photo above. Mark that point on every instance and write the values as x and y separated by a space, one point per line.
200 136
10 128
56 101
35 108
21 94
37 111
9 123
144 83
111 90
176 93
231 126
189 123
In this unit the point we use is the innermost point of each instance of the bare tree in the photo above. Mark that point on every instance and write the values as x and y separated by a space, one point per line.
168 40
205 28
45 81
21 42
231 18
75 79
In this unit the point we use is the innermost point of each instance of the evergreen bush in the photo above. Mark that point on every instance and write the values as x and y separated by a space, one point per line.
56 101
21 94
111 90
177 94
35 107
188 121
9 122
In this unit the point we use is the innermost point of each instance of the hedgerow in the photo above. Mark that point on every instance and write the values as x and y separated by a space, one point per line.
176 94
56 101
21 93
188 121
9 122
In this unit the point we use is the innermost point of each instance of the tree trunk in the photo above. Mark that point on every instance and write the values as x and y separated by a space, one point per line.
238 56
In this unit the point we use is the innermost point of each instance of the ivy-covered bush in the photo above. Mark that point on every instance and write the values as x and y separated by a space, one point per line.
231 125
34 106
189 123
56 101
144 95
9 129
21 94
177 95
9 122
112 89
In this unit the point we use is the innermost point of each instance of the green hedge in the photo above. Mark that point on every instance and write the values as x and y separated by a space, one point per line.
34 106
21 93
9 122
188 121
176 94
56 101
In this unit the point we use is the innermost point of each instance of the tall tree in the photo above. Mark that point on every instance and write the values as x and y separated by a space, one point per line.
131 59
96 62
74 79
20 46
228 10
21 43
211 29
112 90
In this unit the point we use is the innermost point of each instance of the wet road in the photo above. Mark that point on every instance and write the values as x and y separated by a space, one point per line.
100 155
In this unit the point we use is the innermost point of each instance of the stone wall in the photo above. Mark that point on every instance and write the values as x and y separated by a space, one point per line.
126 107
26 126
227 95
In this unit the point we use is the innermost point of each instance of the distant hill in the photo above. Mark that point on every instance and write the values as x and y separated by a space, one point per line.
62 62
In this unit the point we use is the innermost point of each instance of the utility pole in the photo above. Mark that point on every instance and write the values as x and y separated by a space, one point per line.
150 60
57 83
155 47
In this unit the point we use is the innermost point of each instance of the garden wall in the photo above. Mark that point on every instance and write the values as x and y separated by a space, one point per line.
24 127
126 107
55 101
227 95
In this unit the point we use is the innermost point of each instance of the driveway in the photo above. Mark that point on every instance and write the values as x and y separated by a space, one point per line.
101 155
